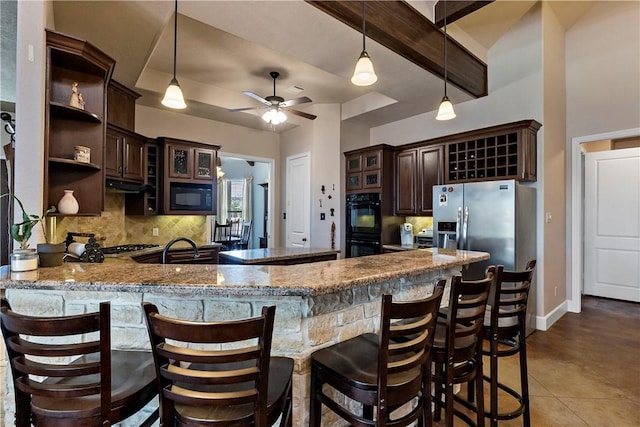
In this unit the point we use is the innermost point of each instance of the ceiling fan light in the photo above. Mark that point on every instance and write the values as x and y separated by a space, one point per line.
364 75
445 111
274 116
173 96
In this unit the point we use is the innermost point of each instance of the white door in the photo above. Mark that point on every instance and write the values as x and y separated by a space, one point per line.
298 220
612 224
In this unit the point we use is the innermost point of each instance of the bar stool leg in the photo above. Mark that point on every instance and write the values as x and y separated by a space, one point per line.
315 407
493 369
524 380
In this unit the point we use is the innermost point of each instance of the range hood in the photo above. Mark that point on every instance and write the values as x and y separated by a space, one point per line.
116 186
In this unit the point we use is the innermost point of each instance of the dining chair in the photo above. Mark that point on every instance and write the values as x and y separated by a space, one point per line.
85 382
245 233
457 347
222 234
385 371
504 329
219 373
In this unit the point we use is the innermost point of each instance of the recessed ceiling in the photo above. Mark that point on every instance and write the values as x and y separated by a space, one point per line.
226 47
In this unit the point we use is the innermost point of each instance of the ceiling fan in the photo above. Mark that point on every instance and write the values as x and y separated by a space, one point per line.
276 105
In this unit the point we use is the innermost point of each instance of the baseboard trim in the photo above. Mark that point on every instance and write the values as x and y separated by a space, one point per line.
543 323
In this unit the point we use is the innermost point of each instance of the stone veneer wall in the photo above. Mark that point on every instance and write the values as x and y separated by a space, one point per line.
114 228
302 324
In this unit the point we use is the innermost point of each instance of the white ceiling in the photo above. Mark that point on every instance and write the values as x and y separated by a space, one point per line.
226 47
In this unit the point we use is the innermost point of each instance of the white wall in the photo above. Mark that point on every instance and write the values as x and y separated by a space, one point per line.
321 138
603 83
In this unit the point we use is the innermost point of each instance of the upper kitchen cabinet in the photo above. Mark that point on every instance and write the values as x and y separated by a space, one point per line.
368 169
124 155
417 171
77 76
500 152
121 106
189 182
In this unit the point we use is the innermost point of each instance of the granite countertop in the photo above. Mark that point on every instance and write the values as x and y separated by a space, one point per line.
401 247
254 256
274 280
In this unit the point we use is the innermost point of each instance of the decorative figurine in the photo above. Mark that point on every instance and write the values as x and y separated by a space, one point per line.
76 100
333 235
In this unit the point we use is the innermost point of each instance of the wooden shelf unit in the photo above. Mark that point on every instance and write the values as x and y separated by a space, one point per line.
501 152
72 60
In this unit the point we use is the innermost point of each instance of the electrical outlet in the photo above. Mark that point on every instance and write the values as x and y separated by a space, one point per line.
322 216
155 231
547 217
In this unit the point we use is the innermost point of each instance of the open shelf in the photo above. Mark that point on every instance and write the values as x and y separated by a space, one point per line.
75 163
68 112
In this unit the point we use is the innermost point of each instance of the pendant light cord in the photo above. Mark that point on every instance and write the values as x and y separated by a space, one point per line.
363 24
445 48
175 37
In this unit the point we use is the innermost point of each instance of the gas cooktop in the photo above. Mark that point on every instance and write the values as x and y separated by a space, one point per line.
109 250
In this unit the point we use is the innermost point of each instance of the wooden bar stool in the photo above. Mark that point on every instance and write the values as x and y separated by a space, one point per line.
457 347
384 371
505 330
98 387
219 373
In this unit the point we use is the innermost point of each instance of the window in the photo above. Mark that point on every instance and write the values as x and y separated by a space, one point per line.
235 208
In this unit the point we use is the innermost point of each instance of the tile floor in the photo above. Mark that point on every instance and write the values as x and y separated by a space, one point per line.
585 370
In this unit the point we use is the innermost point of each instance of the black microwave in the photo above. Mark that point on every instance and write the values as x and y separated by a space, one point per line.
190 197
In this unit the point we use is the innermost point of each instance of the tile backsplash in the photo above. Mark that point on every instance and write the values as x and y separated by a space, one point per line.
420 223
114 228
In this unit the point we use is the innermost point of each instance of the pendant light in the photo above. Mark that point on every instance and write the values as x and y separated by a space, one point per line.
445 111
173 96
364 75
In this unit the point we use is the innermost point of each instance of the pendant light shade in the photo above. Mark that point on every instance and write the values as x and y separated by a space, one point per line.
364 75
173 97
445 111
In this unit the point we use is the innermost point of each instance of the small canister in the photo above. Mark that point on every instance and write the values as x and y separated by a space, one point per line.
82 154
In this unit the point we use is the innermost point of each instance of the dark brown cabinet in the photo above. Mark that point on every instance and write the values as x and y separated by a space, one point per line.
146 203
124 155
121 106
501 152
406 172
75 115
365 169
207 255
430 173
417 171
189 177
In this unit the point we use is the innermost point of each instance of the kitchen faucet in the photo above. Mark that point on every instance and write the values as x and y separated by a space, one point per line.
184 239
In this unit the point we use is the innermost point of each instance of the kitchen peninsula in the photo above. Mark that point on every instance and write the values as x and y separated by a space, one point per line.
318 304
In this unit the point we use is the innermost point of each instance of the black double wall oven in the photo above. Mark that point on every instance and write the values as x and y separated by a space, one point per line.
364 225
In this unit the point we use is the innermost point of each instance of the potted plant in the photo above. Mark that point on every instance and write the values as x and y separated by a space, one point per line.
25 259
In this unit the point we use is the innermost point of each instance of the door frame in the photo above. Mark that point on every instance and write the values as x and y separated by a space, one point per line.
576 220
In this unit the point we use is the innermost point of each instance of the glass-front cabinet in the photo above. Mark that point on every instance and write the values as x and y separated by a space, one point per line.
205 164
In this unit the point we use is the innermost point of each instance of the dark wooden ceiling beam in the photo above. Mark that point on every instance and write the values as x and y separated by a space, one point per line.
456 10
405 31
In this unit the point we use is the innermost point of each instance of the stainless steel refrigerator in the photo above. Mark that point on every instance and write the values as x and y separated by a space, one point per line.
498 217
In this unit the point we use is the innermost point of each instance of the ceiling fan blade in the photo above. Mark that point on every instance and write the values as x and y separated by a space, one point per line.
235 110
257 98
301 100
300 113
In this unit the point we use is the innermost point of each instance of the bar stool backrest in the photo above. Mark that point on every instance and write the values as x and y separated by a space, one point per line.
212 364
510 298
406 338
51 340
